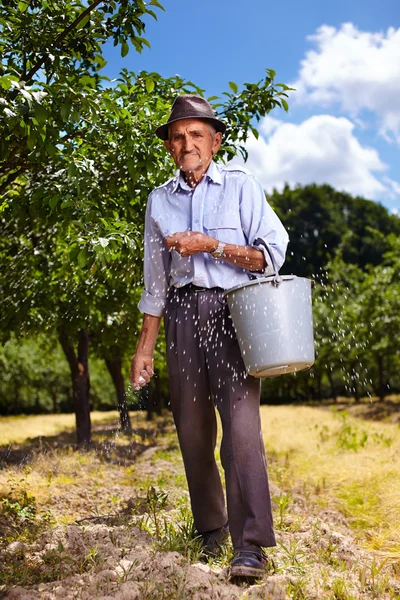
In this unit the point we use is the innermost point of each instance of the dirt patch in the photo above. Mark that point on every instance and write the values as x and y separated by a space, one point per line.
125 566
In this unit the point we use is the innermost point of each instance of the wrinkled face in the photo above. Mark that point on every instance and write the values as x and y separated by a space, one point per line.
192 144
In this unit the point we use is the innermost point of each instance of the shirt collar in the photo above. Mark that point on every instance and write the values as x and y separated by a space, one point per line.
212 173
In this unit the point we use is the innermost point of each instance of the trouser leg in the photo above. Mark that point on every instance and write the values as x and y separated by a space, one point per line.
193 410
237 397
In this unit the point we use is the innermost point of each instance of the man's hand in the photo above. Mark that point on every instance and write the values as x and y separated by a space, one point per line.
141 370
188 243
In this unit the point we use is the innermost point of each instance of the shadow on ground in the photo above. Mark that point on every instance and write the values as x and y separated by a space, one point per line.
106 444
369 409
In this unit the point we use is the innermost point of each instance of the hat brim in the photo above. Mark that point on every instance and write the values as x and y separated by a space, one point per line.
162 131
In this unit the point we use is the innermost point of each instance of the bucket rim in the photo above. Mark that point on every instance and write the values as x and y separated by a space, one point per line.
261 280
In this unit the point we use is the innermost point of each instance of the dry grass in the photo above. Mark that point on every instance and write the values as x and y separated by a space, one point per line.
350 463
15 430
312 465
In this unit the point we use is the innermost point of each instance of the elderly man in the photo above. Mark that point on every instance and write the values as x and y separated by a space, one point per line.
206 230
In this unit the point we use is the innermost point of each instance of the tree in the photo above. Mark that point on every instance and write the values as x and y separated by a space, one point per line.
52 56
71 213
319 219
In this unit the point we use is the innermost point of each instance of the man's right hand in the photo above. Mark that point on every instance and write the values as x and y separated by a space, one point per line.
141 370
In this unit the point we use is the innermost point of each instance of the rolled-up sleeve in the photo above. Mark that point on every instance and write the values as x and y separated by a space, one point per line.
156 268
262 226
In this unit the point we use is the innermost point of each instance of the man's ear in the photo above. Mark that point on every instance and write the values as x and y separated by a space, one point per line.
168 146
217 142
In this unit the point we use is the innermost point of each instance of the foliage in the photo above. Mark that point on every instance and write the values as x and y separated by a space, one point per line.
355 313
51 58
35 378
320 219
79 158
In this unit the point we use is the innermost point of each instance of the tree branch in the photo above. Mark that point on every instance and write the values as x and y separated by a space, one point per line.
27 78
10 163
11 178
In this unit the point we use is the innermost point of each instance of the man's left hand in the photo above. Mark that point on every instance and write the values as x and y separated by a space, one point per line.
190 242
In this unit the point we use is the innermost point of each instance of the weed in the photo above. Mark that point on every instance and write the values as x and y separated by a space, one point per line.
180 535
324 432
156 500
92 559
283 501
381 438
297 589
349 436
294 555
19 509
340 590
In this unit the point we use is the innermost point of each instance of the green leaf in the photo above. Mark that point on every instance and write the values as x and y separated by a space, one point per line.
124 88
255 132
82 23
152 13
75 116
101 61
149 85
156 3
124 48
83 258
233 87
65 110
51 149
67 203
31 141
5 82
285 104
41 114
23 6
54 201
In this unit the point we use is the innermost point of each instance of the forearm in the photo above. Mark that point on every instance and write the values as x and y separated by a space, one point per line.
245 257
142 360
148 335
188 243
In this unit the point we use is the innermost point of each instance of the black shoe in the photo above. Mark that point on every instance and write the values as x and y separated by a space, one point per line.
248 564
214 540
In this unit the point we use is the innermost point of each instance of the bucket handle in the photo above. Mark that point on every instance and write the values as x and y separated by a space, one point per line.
277 280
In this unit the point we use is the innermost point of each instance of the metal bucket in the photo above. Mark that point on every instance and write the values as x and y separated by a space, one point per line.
273 322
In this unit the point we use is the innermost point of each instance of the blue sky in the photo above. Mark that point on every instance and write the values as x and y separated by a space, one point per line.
343 57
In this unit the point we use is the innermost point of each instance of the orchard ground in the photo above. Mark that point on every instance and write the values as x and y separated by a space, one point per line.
114 521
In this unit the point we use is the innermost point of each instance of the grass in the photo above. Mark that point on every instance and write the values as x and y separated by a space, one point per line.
15 430
328 460
346 462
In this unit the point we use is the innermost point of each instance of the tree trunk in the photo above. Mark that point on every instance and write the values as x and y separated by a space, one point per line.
382 384
54 398
332 384
114 366
154 398
79 366
319 386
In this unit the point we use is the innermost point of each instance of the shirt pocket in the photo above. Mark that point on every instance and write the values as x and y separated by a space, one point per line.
223 226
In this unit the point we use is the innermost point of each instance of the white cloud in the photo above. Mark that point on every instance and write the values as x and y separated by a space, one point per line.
394 186
358 70
322 149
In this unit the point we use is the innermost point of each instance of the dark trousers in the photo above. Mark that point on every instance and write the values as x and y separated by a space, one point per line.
206 369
